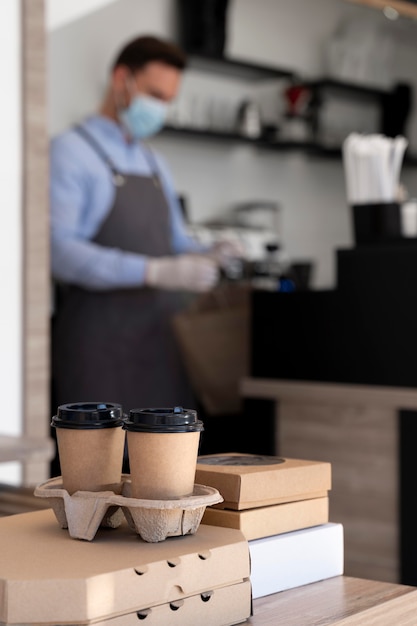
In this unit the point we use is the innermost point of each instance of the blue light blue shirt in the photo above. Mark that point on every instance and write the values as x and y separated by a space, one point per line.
81 196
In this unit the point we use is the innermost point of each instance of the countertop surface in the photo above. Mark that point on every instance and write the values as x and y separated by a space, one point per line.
25 449
340 600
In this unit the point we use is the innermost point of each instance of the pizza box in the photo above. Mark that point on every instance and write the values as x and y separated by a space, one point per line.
46 577
271 520
222 607
249 481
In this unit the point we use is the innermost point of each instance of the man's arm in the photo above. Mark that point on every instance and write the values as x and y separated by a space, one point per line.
76 215
74 258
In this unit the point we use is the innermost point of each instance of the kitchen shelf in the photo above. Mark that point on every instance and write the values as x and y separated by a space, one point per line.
355 89
279 145
201 133
237 68
313 148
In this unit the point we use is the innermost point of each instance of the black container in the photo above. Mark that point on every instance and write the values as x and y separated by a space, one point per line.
88 415
300 272
202 26
376 223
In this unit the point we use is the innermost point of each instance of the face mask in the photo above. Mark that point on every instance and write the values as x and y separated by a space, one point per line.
144 116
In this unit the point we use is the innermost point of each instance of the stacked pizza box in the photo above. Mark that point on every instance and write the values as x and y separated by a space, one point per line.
117 579
282 507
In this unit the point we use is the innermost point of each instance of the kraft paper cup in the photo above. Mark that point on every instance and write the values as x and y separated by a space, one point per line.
163 448
90 442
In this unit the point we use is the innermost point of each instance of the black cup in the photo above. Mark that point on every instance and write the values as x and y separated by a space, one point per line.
376 223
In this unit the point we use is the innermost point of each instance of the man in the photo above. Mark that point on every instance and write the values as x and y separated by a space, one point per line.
119 247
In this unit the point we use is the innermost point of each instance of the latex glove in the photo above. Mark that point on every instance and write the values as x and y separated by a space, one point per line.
186 272
227 250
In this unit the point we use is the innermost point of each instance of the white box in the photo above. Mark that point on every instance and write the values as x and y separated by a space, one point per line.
297 558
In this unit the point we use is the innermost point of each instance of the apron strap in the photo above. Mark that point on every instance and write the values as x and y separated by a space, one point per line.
118 178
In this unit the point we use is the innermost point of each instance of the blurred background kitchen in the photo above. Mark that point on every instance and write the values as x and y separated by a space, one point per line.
254 142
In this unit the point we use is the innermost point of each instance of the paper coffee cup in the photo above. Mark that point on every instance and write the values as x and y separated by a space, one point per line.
163 449
90 442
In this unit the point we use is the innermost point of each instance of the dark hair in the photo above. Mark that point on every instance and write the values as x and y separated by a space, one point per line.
142 50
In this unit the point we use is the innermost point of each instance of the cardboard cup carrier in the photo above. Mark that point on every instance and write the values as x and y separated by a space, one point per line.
163 448
158 500
90 442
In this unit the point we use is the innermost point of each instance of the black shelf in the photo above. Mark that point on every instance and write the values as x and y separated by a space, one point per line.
234 137
354 89
313 148
241 69
237 68
309 147
202 133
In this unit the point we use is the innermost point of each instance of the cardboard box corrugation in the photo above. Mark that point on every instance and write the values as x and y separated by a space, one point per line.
271 520
47 577
249 486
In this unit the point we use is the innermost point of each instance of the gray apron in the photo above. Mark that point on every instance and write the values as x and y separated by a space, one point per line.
118 345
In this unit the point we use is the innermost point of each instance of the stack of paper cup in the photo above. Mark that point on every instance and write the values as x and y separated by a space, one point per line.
90 444
163 448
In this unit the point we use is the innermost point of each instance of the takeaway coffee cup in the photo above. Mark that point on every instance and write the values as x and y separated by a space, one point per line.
90 442
163 448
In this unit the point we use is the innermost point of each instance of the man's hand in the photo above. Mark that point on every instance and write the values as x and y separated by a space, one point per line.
186 272
227 250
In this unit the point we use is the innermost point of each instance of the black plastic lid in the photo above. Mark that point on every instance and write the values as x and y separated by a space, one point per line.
88 415
176 420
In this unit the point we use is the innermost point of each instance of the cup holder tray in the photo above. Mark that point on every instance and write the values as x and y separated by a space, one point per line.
154 520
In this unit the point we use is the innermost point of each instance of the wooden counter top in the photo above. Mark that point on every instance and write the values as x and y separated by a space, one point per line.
341 600
366 432
327 393
25 449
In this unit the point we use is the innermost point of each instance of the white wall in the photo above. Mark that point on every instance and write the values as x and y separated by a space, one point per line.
217 175
11 370
288 34
80 53
59 13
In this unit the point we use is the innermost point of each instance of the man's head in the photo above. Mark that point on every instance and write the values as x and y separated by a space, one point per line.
145 77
